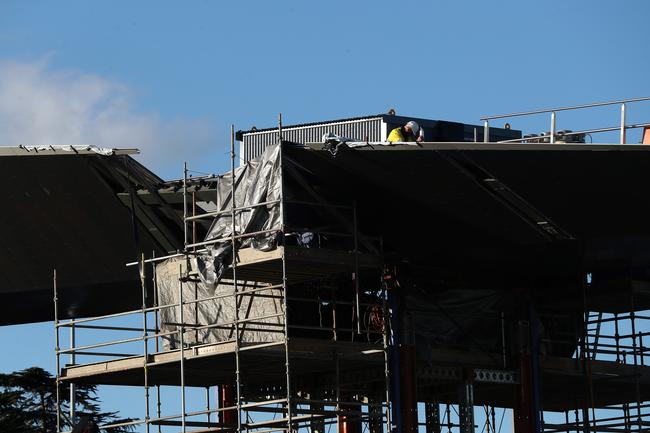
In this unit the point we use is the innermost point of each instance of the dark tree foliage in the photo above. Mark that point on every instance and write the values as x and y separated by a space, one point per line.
28 403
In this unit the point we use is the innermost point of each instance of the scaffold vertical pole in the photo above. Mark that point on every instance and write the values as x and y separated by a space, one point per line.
181 342
552 134
486 131
207 403
285 301
337 390
185 234
56 351
386 331
622 131
145 341
432 417
156 344
233 241
636 364
494 420
73 391
448 416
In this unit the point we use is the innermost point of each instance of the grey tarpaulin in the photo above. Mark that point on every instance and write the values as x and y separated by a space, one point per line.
219 312
257 191
256 182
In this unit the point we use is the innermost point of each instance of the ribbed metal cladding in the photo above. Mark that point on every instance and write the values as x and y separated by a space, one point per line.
254 143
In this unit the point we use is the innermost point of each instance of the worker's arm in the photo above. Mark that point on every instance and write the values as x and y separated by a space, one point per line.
420 135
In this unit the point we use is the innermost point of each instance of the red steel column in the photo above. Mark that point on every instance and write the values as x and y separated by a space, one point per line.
227 399
408 389
524 415
523 408
350 423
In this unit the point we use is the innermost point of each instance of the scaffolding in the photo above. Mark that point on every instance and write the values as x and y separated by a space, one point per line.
302 376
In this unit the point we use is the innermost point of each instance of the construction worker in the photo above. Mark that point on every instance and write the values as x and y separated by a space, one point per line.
409 132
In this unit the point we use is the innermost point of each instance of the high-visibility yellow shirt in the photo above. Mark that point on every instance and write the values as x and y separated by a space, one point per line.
397 134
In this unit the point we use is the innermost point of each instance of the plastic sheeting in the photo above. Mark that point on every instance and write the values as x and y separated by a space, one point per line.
257 310
257 209
257 192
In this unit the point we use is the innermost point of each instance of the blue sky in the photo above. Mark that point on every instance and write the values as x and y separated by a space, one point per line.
170 77
188 71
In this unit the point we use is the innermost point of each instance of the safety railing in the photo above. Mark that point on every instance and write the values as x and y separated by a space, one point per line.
553 135
338 330
624 418
619 337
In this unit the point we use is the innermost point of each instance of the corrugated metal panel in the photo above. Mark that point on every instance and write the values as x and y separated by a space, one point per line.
254 143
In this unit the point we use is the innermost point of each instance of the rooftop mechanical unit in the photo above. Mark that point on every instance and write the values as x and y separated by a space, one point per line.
367 128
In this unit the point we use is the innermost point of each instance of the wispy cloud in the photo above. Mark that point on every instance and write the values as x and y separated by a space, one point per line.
41 105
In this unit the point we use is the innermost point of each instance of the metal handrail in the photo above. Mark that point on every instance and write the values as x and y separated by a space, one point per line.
622 127
566 108
561 134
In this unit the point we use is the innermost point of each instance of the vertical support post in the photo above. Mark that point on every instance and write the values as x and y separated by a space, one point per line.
73 402
494 420
486 131
637 384
207 403
181 339
409 389
622 131
552 138
156 344
185 234
227 399
233 242
626 418
503 339
145 341
334 332
285 301
194 221
586 362
566 422
432 417
386 331
395 396
641 350
317 424
337 388
526 405
56 352
466 404
350 420
448 416
617 339
535 336
357 294
374 415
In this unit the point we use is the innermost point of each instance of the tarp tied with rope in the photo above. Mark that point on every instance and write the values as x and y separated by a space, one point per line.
257 210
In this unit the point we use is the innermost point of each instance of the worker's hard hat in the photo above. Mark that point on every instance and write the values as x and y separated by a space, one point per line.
414 126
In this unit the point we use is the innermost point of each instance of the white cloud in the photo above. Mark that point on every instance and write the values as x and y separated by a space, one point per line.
39 105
